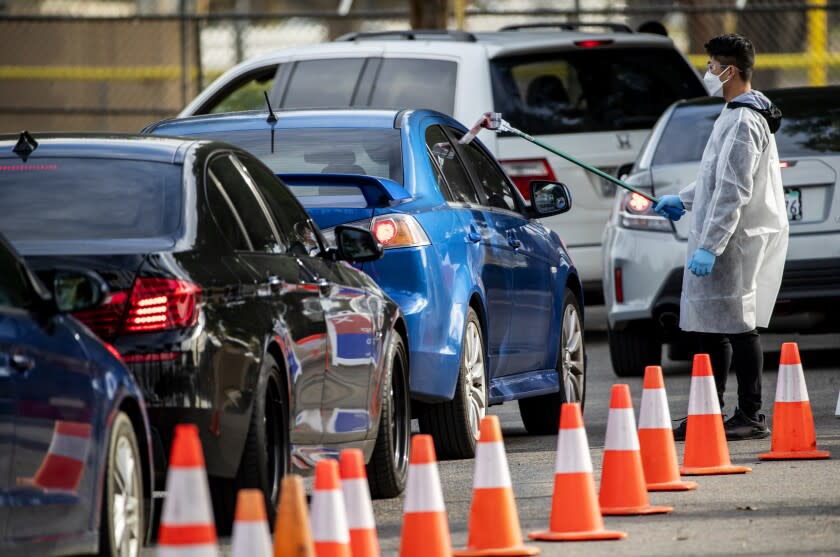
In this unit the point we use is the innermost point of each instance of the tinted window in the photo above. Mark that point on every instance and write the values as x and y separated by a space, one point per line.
290 217
684 137
445 157
245 203
89 199
228 222
323 83
371 151
246 93
404 82
491 179
14 287
591 89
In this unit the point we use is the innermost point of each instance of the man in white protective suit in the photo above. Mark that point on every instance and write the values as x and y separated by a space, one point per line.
738 237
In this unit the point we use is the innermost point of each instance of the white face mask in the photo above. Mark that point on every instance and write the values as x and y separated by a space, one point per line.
713 83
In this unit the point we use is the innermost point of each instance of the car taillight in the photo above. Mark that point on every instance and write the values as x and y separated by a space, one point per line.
158 304
619 286
398 231
522 171
105 319
593 43
637 214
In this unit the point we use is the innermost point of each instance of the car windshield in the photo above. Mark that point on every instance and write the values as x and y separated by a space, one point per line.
591 89
370 151
89 199
808 129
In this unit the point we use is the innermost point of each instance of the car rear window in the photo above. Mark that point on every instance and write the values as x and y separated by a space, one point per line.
89 199
808 128
369 151
591 89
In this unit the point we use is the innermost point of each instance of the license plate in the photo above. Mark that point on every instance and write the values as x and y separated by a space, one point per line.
793 201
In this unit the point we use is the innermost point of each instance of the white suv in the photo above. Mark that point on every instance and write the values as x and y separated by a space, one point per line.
595 96
644 254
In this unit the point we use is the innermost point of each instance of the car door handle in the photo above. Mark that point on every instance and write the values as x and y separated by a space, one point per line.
473 234
513 242
22 362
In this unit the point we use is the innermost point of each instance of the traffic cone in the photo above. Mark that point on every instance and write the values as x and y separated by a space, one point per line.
425 529
329 521
837 408
793 422
354 487
493 527
706 451
656 438
575 514
292 536
63 466
623 490
186 524
251 537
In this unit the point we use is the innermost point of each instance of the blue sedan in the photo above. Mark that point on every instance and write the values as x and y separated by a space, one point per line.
75 450
491 297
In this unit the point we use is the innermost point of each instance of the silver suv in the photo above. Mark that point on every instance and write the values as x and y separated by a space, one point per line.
594 95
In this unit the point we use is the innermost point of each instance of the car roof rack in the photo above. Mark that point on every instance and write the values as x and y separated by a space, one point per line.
570 26
411 35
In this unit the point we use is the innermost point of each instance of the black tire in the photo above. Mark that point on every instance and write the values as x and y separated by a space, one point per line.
541 414
123 450
265 458
634 348
388 465
449 422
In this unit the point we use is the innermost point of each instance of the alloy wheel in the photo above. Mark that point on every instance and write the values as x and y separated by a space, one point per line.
572 361
474 381
126 504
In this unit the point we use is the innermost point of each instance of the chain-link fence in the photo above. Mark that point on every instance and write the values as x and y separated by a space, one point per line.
118 73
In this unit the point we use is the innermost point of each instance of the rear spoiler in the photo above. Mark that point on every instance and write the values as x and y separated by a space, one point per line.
378 192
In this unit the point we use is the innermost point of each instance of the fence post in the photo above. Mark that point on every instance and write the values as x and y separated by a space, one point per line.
817 42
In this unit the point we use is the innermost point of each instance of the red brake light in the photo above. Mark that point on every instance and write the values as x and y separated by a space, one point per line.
159 304
385 231
592 43
522 171
104 320
619 286
638 204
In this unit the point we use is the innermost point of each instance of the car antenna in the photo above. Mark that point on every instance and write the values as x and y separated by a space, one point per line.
272 119
25 145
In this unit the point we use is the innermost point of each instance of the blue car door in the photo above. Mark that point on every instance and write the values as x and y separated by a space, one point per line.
489 261
53 472
533 276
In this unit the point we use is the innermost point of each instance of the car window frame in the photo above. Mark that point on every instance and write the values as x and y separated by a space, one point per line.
210 177
451 200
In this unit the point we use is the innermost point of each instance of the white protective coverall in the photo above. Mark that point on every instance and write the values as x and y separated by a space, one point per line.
738 213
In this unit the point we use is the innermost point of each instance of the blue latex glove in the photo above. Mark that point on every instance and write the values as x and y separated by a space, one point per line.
701 262
670 206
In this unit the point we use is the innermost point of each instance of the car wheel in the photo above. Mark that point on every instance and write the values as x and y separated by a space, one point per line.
634 348
265 458
122 521
454 424
388 465
541 414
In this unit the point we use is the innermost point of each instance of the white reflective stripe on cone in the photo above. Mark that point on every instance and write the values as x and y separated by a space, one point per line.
572 452
422 489
208 550
837 410
328 519
357 502
187 498
69 446
790 384
621 431
251 539
491 468
703 398
654 413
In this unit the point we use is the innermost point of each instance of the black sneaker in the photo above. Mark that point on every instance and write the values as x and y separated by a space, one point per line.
740 427
679 431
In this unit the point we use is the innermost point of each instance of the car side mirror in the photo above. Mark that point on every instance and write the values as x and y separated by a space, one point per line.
78 290
549 198
356 245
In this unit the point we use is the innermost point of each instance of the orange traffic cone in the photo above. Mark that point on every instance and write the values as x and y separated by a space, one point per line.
354 487
706 451
494 523
251 537
793 422
656 438
575 515
329 521
425 529
623 488
64 464
292 537
186 524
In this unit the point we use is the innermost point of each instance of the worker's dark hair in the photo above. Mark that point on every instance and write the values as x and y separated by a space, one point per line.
733 49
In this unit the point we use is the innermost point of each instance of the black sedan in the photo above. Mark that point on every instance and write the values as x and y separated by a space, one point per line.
225 302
